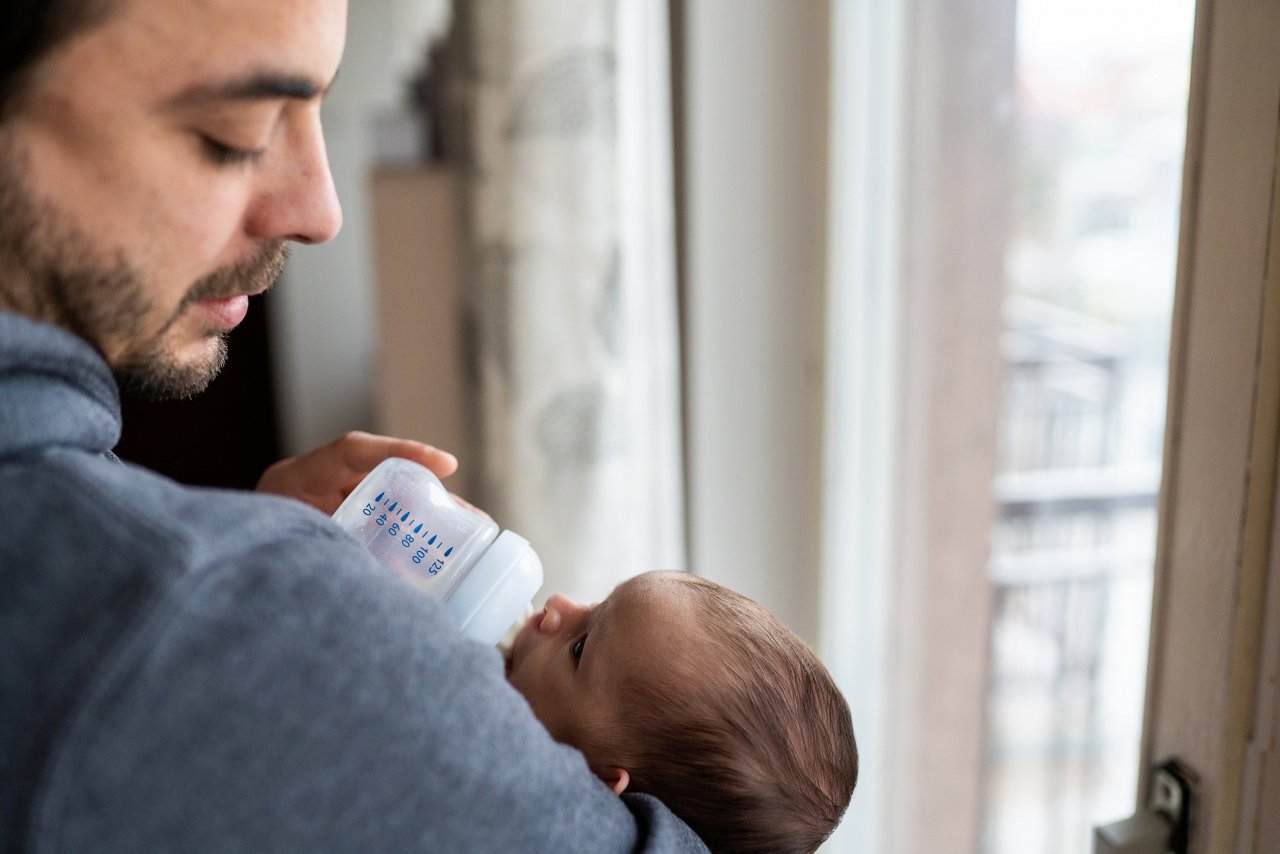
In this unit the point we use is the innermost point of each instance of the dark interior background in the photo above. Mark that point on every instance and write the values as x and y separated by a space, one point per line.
224 437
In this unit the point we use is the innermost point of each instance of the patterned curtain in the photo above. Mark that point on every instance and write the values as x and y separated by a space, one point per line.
561 115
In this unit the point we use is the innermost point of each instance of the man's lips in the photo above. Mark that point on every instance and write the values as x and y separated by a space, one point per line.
227 312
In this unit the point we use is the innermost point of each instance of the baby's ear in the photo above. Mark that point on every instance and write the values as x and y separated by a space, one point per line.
615 778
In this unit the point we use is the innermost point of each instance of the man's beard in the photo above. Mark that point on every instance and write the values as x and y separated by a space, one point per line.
48 271
150 370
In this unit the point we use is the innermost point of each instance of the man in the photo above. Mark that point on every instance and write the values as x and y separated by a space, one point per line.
186 669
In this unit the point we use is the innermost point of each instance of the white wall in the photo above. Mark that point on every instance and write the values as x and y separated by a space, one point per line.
322 311
755 139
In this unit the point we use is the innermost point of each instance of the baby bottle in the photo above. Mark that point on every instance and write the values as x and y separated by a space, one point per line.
413 526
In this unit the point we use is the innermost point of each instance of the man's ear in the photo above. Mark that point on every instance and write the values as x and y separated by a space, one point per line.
615 778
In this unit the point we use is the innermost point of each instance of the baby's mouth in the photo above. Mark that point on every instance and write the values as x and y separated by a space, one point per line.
507 646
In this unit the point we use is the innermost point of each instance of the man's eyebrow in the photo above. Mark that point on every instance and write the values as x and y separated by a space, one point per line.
259 86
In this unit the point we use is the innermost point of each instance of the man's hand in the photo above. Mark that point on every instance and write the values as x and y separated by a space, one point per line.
325 476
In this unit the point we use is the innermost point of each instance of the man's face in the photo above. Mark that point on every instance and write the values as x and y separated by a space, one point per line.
572 662
154 171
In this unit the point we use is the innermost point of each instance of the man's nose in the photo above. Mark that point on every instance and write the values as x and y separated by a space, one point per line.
299 201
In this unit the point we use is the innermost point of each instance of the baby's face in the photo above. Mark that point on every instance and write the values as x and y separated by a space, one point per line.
573 661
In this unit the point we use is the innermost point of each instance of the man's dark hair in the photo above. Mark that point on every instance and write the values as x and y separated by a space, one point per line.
30 29
759 756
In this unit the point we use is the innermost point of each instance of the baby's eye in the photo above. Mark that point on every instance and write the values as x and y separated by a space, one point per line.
576 649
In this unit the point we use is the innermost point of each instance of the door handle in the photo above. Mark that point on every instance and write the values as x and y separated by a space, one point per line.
1161 827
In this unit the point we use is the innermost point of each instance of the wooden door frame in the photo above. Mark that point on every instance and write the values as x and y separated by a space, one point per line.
1215 546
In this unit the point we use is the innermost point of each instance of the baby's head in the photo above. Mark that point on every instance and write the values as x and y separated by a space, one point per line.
683 689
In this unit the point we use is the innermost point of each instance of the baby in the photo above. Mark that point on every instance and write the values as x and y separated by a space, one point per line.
680 688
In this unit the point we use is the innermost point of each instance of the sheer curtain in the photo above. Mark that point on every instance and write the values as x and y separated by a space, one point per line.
564 110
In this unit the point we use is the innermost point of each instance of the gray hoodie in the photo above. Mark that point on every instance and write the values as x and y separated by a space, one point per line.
203 670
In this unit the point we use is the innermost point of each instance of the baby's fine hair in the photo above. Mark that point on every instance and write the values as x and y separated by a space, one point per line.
759 756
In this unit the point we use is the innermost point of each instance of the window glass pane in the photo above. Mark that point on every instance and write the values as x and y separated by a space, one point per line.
1101 91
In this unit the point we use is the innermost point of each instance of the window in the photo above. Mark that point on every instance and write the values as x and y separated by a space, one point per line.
1004 236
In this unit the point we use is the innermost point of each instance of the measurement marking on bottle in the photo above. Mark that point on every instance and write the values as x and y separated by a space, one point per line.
407 540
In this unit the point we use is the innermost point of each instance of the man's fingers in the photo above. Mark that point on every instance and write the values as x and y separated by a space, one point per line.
360 452
467 504
325 476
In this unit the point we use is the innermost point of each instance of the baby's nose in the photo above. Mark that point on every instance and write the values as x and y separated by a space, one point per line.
559 609
550 620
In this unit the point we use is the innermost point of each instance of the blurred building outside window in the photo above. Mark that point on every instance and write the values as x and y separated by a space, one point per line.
1101 94
1000 171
